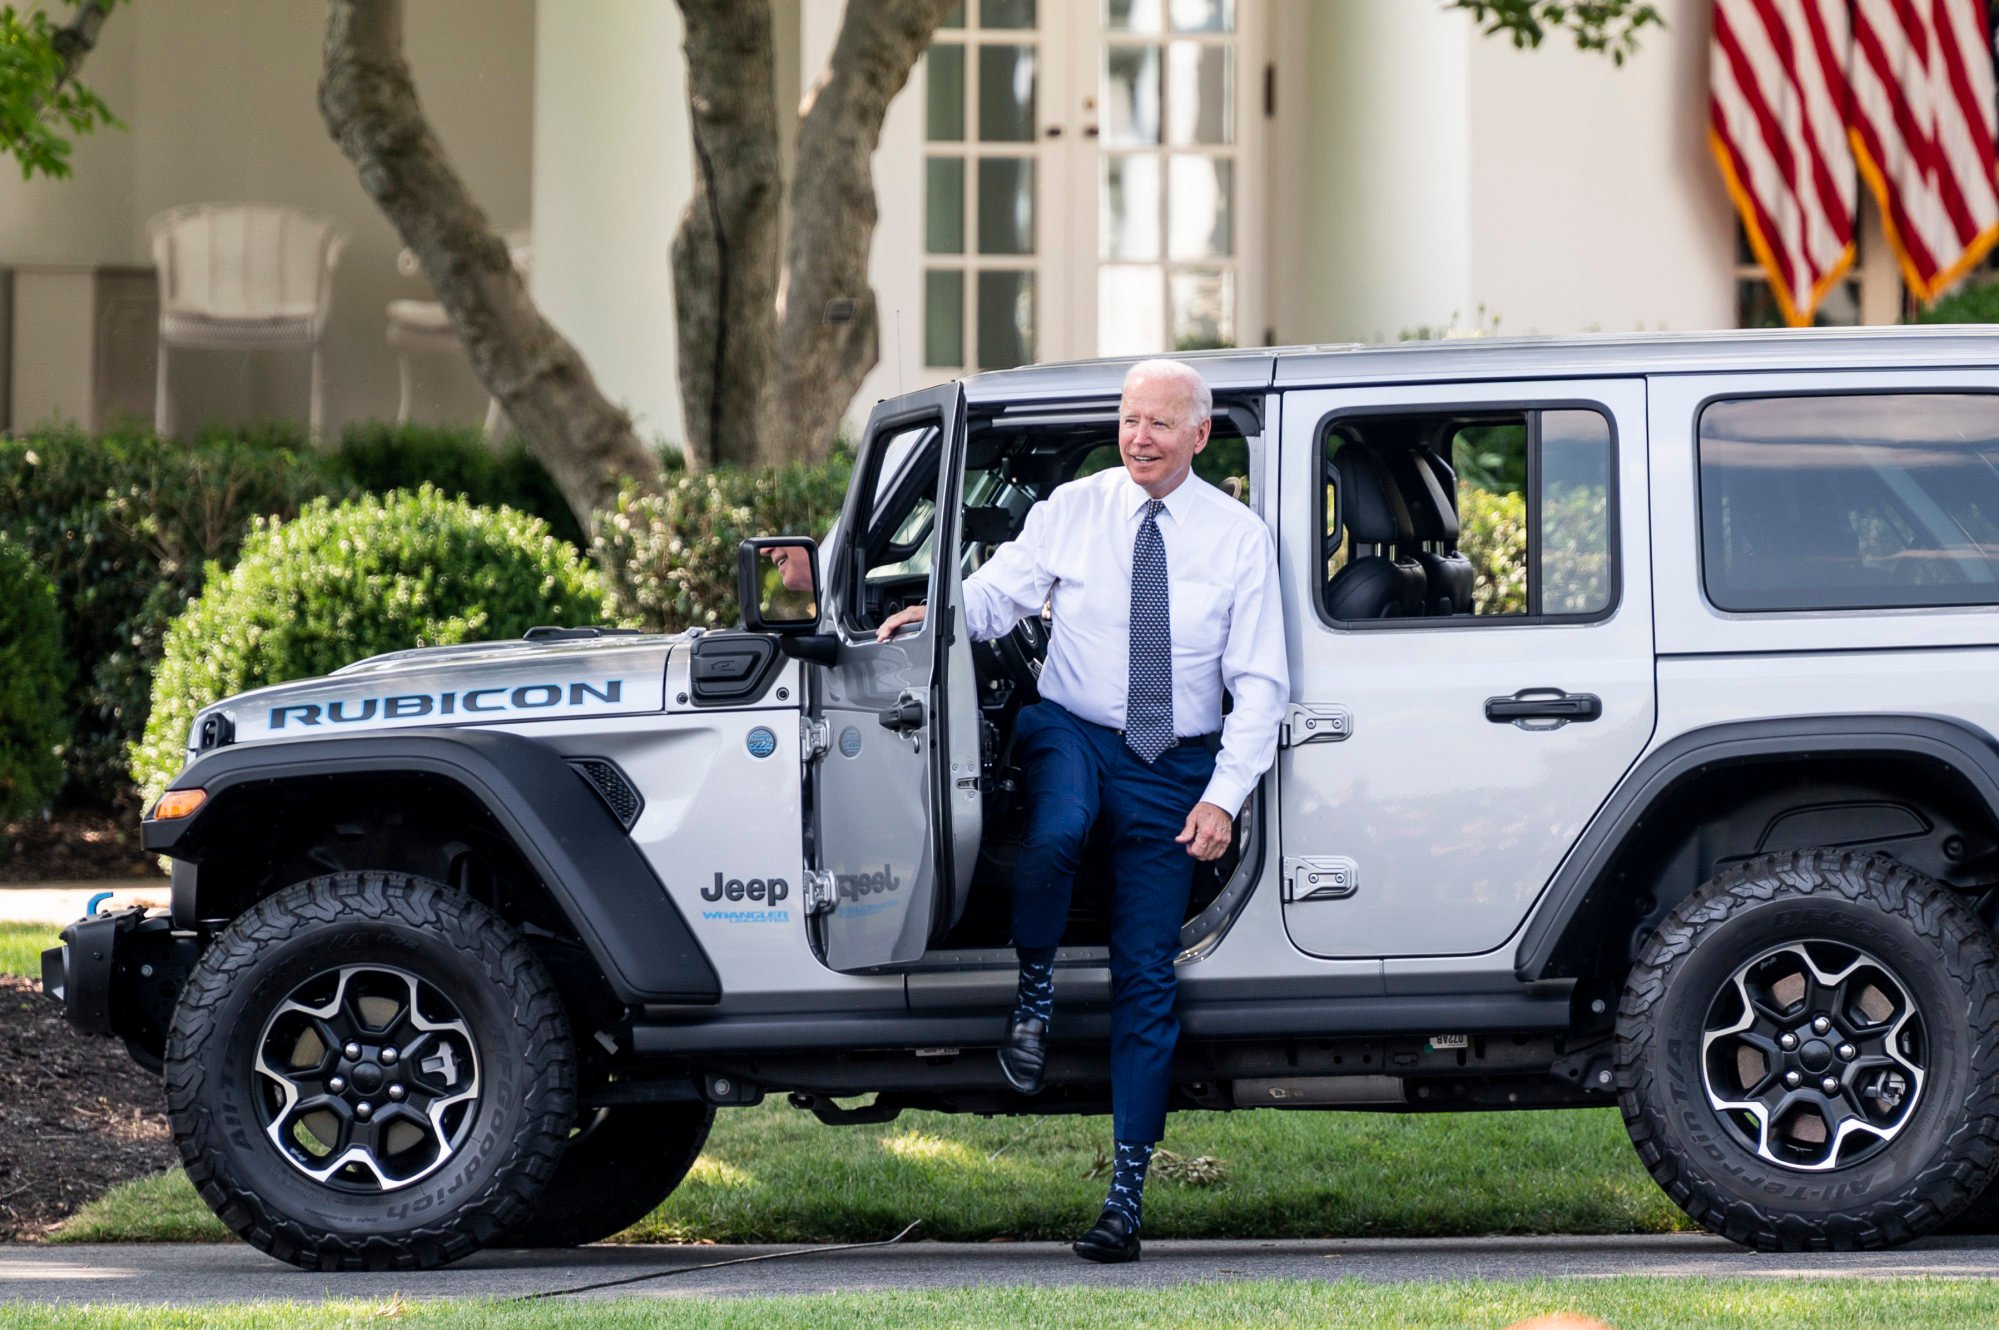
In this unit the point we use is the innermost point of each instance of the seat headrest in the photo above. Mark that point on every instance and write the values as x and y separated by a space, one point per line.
1370 508
1426 494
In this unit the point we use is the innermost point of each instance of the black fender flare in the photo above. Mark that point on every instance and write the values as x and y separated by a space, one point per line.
1967 750
603 884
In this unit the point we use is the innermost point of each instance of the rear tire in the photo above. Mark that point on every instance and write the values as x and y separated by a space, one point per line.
624 1161
368 1071
1784 976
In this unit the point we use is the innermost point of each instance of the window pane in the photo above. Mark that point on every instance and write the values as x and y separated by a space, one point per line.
1131 311
1006 205
1491 464
1575 512
944 81
1006 13
1130 95
1006 319
1200 223
1850 502
1203 310
1132 16
944 318
1006 94
944 205
1204 15
1200 93
1130 206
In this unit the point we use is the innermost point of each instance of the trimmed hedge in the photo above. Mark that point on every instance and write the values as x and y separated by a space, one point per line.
670 559
124 526
340 583
33 677
379 456
1967 304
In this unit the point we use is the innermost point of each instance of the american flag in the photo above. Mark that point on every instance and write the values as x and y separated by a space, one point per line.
1802 90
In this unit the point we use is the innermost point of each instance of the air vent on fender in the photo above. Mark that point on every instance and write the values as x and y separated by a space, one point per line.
612 786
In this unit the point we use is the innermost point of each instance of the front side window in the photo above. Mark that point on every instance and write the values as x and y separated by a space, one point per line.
1850 502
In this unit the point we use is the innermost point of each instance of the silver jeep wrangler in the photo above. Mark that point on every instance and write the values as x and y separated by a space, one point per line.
1641 752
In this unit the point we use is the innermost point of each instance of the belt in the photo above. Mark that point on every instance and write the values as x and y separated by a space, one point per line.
1191 740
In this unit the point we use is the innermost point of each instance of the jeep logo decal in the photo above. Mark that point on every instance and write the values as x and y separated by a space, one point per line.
766 891
403 706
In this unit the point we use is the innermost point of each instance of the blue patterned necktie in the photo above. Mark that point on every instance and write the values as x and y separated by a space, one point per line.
1148 707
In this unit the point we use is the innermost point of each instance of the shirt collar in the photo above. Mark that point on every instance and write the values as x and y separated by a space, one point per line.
1177 503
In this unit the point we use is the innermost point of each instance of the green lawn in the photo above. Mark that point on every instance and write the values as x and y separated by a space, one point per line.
1627 1304
774 1174
21 947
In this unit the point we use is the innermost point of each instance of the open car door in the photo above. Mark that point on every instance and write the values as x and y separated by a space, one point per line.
895 787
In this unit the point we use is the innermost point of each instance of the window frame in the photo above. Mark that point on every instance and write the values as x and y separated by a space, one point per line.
1700 496
1470 407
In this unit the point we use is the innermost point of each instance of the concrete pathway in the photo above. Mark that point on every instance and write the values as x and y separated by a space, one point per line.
234 1272
62 902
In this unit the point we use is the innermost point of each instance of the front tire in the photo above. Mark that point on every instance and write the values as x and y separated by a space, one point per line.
368 1071
1808 1053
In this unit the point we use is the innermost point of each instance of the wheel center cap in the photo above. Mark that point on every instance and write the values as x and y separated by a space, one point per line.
1816 1055
367 1078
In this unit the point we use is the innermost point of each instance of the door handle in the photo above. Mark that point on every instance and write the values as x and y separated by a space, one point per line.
1543 704
904 716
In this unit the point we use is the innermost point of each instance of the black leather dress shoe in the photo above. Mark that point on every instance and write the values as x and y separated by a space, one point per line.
1024 1054
1110 1242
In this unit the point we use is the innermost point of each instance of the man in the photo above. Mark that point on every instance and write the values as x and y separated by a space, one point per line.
1164 592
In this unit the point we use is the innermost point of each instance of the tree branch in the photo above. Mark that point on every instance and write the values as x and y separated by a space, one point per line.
369 102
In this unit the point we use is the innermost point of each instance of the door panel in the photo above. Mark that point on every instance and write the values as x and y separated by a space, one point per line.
1436 820
887 825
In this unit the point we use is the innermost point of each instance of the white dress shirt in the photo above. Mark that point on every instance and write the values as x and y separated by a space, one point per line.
1074 552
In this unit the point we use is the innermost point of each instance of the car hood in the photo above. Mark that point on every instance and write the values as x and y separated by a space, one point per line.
474 684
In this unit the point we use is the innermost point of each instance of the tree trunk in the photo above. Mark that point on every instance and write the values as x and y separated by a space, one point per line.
829 328
370 105
726 249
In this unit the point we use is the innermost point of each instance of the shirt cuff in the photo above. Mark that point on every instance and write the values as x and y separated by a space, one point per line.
1227 793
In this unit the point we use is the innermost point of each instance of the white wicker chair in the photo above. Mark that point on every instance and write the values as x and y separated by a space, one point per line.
244 276
421 326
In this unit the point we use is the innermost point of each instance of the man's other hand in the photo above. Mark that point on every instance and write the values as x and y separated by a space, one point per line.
1207 833
909 614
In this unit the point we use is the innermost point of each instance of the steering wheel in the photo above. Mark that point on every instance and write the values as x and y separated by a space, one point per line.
1021 651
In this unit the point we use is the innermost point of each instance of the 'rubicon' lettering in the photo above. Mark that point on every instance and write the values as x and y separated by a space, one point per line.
407 706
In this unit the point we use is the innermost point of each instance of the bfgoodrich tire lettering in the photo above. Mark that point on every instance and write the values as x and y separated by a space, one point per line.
1936 1161
218 1100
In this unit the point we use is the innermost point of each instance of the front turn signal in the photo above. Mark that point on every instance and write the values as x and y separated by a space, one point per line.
176 804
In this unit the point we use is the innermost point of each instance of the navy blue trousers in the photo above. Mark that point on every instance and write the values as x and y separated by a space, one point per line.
1075 772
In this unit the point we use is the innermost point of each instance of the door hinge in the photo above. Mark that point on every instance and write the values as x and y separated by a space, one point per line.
1310 724
1327 879
819 894
814 737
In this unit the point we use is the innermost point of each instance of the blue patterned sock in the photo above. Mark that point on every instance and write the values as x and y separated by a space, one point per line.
1127 1194
1035 998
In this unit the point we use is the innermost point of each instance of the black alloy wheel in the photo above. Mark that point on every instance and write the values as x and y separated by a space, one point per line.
369 1071
1808 1053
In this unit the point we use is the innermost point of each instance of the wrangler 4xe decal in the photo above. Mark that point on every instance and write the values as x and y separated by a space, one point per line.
473 701
765 893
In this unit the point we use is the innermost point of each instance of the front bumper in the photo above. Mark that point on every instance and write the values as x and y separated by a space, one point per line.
120 973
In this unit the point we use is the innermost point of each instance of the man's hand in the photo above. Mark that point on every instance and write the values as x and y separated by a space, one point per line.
908 614
1207 833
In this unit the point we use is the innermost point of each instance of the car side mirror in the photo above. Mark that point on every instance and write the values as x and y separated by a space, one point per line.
777 583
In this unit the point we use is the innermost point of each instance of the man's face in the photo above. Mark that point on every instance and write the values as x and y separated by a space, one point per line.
794 568
1157 434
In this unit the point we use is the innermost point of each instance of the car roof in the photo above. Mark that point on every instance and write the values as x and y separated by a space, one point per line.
1924 346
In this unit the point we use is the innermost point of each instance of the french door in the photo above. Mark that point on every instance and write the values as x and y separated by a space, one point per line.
1089 179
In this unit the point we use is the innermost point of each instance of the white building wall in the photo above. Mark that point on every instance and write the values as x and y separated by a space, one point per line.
613 172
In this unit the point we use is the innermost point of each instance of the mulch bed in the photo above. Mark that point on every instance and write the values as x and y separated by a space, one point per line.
77 1115
75 845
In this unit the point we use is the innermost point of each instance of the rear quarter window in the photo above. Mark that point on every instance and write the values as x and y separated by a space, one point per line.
1881 501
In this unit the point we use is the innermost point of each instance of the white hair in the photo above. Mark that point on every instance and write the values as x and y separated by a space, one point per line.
1198 391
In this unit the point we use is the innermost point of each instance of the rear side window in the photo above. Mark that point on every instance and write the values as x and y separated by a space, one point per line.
1850 502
